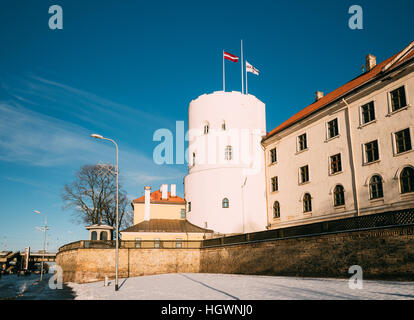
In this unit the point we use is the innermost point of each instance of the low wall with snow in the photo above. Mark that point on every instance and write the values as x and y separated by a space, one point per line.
385 253
88 265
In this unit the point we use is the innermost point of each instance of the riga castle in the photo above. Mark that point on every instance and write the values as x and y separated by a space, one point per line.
349 153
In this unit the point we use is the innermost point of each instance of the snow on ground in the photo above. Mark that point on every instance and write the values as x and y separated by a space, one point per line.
201 286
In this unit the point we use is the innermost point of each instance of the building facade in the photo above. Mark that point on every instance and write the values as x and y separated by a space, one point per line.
349 153
160 215
225 188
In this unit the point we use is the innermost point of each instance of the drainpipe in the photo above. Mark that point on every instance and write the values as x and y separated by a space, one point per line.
352 158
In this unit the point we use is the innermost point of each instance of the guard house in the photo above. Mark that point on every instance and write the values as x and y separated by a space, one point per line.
100 232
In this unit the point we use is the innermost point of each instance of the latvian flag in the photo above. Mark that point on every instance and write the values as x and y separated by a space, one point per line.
250 68
230 56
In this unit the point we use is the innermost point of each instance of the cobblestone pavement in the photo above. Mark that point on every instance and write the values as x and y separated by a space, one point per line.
241 287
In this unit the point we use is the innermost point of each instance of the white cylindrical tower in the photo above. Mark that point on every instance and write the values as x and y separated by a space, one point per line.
225 187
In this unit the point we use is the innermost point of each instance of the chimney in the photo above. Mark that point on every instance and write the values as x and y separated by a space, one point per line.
147 203
370 62
318 95
164 191
173 190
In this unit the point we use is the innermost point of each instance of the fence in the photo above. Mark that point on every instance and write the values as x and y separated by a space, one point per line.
393 218
132 244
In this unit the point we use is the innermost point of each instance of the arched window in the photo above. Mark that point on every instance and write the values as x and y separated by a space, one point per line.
339 196
104 235
276 210
228 153
206 127
407 180
223 125
375 187
94 235
194 157
225 203
307 203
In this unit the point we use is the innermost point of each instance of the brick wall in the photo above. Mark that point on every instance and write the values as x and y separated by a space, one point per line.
386 253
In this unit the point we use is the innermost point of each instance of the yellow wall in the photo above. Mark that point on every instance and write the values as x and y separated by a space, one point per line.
161 236
158 211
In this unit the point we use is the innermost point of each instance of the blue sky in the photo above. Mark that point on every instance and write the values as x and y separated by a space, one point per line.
127 68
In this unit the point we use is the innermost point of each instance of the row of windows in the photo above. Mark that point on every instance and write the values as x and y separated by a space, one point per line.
371 154
398 101
207 127
228 154
157 243
225 203
376 191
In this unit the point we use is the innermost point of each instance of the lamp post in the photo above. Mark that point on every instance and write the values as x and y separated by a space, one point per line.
43 229
97 136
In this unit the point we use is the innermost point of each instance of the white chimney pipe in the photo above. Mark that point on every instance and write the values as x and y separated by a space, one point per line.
370 62
147 203
164 191
173 190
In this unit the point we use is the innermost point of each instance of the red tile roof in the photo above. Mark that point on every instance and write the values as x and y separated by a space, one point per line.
167 225
402 56
156 198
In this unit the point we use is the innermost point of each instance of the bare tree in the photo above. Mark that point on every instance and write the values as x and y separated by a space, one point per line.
92 196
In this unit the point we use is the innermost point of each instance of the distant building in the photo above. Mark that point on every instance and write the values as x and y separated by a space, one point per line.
161 215
349 153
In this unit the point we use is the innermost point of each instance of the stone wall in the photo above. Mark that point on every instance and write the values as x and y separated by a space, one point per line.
88 265
386 253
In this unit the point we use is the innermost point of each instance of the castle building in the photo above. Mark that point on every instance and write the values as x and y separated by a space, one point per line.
225 187
349 153
160 215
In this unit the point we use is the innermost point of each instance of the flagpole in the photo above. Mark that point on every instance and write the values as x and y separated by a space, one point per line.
242 66
246 81
224 75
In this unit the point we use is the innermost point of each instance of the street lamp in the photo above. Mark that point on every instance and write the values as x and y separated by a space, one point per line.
97 136
44 229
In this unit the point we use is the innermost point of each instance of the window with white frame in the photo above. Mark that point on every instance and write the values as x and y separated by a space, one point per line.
275 184
371 151
407 180
307 203
402 141
336 163
376 190
276 210
339 196
273 155
228 153
333 129
137 242
367 112
304 174
398 99
302 142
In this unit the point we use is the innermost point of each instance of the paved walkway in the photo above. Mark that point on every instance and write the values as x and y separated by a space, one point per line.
240 287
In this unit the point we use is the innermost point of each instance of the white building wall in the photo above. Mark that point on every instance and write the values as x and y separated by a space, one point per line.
212 178
382 129
321 184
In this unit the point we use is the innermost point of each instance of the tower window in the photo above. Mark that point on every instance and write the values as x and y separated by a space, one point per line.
182 213
375 188
407 180
398 99
307 203
339 196
228 153
225 203
189 206
206 128
368 112
223 126
276 210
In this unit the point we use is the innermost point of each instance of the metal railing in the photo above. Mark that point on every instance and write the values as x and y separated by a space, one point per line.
133 244
372 221
392 218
